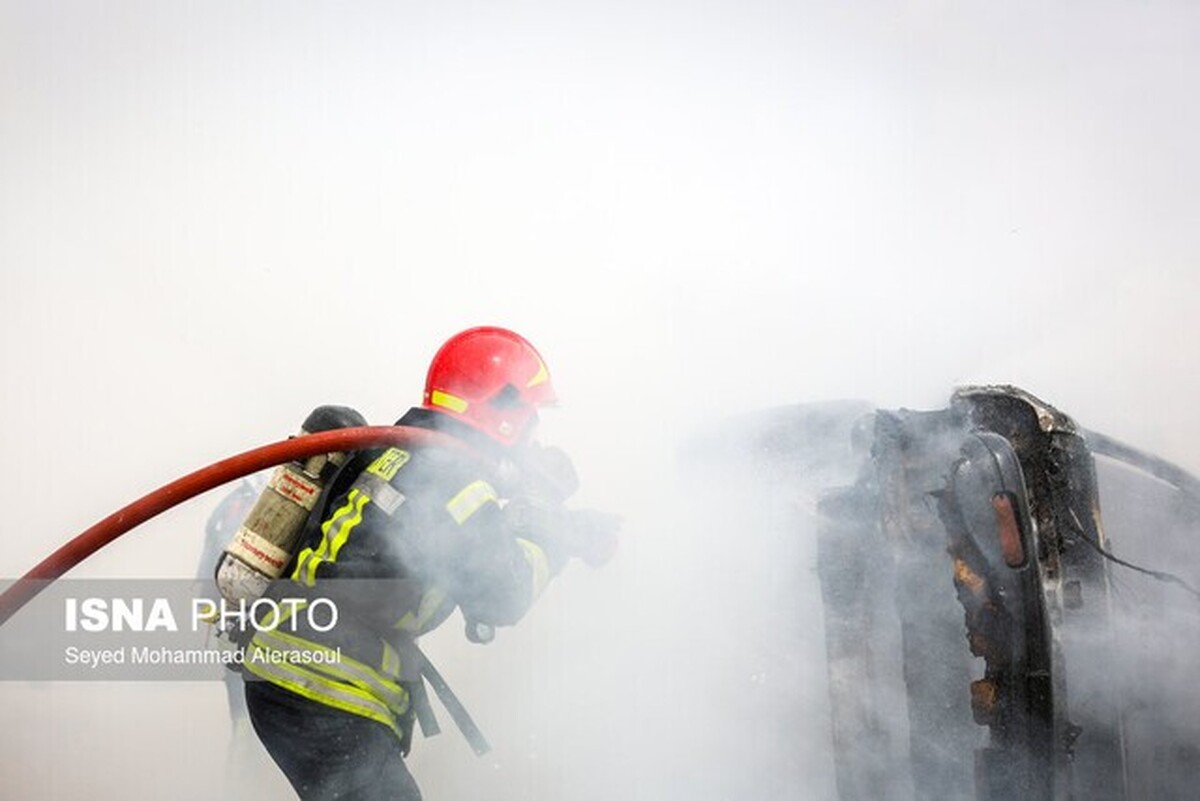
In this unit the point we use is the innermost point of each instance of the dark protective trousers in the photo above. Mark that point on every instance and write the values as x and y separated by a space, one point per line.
328 754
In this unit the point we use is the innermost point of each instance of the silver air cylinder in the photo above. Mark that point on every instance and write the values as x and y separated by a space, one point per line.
265 542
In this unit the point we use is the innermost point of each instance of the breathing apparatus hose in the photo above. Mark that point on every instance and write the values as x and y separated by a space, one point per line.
110 528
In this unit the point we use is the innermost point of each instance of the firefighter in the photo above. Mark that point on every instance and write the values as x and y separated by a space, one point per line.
476 522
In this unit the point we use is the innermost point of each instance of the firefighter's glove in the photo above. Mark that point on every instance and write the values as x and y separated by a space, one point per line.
534 519
541 523
587 534
591 535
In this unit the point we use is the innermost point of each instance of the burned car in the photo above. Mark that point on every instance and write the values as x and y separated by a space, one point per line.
1009 600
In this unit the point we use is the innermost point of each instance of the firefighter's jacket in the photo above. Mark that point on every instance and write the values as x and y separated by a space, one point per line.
417 533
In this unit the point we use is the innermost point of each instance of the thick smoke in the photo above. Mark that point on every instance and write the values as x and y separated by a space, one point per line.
1147 657
213 219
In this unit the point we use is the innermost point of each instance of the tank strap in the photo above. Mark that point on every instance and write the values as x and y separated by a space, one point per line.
423 709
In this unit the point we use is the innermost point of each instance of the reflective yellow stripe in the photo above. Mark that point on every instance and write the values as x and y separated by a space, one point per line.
391 661
269 623
340 525
345 697
448 401
301 561
540 564
431 601
388 464
341 667
469 500
300 573
338 519
340 538
541 377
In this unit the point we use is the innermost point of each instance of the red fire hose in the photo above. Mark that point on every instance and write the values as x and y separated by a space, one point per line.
180 490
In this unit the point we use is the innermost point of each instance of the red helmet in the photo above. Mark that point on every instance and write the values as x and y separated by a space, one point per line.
491 379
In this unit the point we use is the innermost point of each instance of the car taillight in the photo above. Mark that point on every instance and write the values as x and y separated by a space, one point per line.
1011 546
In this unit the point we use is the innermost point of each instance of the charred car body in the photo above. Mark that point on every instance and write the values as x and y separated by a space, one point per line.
990 635
999 494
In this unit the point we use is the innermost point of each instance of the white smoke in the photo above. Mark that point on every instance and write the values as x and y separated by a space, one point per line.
214 218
